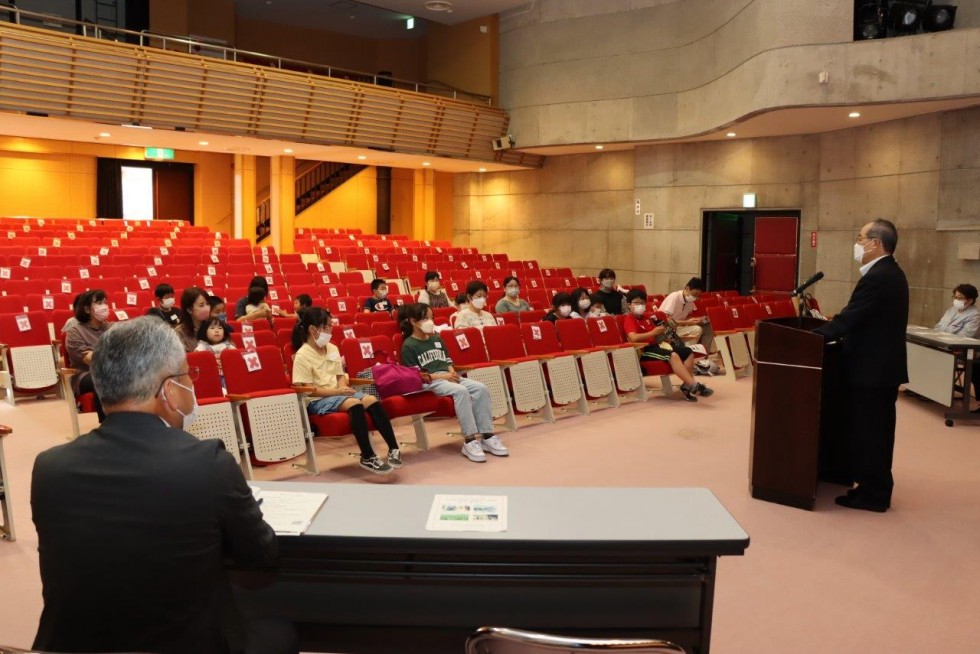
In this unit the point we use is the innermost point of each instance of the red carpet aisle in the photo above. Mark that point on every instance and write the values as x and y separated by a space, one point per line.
830 581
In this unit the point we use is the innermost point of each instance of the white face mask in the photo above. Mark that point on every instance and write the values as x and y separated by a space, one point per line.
167 303
689 298
478 302
512 292
565 310
322 339
383 294
188 418
859 253
427 326
608 283
584 304
100 311
433 286
639 309
959 304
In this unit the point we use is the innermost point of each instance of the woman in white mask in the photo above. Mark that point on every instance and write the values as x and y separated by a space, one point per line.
474 313
581 303
512 302
963 318
317 365
92 314
434 294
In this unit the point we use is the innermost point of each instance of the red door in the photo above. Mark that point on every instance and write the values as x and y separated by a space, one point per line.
776 251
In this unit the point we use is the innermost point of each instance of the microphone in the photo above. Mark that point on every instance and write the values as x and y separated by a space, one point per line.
807 284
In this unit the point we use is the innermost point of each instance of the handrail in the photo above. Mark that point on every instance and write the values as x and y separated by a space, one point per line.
146 38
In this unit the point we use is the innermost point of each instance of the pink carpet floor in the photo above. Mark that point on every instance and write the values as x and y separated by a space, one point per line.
832 580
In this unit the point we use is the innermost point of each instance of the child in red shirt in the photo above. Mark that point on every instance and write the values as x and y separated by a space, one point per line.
644 330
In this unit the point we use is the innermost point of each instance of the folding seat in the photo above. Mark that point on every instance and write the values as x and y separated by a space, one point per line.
585 281
470 359
593 361
373 317
363 352
384 328
352 278
133 303
743 319
312 290
730 342
624 357
416 279
561 371
248 326
398 300
538 298
269 411
280 323
215 414
343 304
359 262
28 363
454 287
359 290
255 339
352 330
441 315
13 303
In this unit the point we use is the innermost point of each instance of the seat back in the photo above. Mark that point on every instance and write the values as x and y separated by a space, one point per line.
363 352
465 346
252 372
573 334
721 319
540 338
604 330
352 330
208 383
504 342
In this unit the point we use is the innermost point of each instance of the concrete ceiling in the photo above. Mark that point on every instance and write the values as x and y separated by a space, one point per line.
784 122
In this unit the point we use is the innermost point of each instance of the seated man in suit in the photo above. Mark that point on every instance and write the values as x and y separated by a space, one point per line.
136 519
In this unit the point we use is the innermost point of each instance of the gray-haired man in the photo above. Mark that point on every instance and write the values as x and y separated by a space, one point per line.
136 518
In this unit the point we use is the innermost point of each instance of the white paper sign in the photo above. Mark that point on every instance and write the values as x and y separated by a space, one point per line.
11 234
486 513
25 262
47 302
165 251
603 327
252 362
268 280
151 271
42 252
131 299
114 242
157 261
274 294
367 350
462 341
534 283
122 315
144 284
349 333
83 273
536 332
4 273
248 342
385 267
342 306
94 260
212 270
56 242
66 287
247 328
268 269
208 280
23 323
326 280
103 251
320 267
168 243
214 258
71 235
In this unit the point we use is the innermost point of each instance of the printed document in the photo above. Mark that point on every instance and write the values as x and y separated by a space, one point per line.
468 513
288 513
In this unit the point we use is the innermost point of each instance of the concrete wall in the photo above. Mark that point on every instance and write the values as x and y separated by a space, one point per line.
577 211
631 70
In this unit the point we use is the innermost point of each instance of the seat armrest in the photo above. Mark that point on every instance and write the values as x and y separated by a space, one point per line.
299 388
68 373
235 397
359 381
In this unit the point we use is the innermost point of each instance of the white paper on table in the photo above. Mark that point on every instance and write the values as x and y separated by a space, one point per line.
468 513
289 513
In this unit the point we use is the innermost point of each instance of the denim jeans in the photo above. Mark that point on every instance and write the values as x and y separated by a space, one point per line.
472 400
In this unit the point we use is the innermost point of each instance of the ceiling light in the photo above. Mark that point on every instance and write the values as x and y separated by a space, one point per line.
288 150
136 126
731 135
361 157
869 20
439 5
599 147
104 135
426 163
905 17
854 114
482 170
939 18
202 142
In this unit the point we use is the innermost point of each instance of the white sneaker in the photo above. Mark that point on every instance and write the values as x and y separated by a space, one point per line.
494 446
473 451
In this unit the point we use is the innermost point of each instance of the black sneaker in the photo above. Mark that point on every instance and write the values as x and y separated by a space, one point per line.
688 393
702 390
395 458
377 466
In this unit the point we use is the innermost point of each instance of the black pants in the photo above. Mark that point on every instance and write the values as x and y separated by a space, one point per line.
86 385
872 441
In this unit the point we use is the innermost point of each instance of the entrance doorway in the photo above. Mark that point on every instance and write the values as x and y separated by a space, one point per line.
750 251
144 190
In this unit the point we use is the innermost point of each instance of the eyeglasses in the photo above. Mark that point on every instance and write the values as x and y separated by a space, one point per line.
192 373
862 237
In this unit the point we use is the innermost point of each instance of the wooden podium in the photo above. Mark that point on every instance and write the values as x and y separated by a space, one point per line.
799 426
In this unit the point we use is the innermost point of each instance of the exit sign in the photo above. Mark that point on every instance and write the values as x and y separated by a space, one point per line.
159 153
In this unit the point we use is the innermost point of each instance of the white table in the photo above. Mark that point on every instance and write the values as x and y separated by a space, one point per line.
932 361
579 561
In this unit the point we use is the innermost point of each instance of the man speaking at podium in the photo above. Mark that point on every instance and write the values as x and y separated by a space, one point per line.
871 329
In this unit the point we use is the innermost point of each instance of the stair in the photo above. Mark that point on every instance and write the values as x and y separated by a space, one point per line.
318 181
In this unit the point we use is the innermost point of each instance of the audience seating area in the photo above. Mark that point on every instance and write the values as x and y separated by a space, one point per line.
536 370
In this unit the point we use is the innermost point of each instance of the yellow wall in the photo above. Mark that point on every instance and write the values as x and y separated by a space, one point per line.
443 187
464 57
211 18
353 205
57 179
402 200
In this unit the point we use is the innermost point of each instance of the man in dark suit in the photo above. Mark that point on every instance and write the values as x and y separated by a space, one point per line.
136 519
871 329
